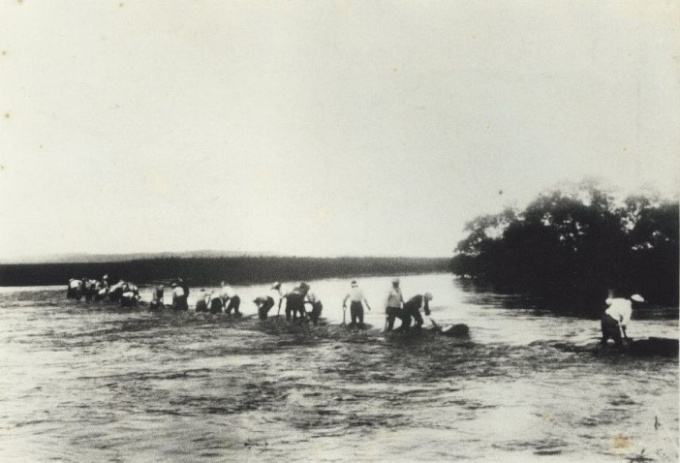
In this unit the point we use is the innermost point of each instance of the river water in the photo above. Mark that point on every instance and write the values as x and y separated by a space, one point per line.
85 382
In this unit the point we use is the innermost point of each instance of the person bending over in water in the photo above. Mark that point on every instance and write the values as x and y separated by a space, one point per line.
264 304
356 307
230 299
157 298
129 297
295 302
412 311
74 290
215 302
615 319
317 307
202 302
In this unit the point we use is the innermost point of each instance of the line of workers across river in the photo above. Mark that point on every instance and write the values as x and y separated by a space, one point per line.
296 300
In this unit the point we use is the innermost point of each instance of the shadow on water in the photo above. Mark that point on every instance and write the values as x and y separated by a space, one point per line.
573 305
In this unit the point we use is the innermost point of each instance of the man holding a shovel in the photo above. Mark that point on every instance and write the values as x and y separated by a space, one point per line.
616 318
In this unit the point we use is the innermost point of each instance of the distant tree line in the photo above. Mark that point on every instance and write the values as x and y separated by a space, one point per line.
576 242
211 271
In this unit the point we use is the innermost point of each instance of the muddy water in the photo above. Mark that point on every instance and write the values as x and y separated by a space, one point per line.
89 382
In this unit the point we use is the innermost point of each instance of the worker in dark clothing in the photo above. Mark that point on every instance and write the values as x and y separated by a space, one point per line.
412 311
216 302
157 298
179 299
264 304
317 307
295 302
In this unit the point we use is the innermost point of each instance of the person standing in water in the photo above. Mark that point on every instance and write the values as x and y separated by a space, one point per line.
616 317
412 311
394 301
356 307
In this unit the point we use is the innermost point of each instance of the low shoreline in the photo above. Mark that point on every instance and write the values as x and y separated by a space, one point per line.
211 271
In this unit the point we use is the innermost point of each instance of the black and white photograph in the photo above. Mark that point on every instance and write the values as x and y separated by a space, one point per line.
339 231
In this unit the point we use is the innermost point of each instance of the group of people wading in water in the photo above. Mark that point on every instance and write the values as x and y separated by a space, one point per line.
224 299
96 290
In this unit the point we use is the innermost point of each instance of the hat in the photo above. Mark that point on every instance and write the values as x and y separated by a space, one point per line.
395 281
304 285
354 282
637 298
428 296
174 283
276 285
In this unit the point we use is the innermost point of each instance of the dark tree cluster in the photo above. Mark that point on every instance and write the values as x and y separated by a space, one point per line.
577 243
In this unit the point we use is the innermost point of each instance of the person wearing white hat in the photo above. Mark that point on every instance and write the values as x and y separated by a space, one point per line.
412 311
393 306
616 317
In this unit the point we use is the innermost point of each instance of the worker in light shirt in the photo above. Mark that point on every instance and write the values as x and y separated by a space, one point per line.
393 305
616 317
230 299
179 299
356 308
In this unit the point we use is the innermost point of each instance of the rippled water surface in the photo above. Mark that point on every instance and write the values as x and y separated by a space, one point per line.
91 382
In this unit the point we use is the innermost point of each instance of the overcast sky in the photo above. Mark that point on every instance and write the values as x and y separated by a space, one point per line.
320 127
